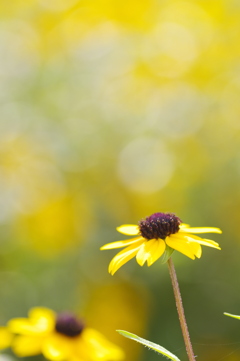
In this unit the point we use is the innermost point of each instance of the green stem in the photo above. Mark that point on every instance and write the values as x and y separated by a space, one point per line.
180 310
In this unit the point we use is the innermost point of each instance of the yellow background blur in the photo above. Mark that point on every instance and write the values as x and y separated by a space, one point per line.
111 111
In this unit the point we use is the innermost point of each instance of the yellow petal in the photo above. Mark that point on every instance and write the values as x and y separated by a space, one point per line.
200 229
120 244
180 246
79 358
196 249
22 326
210 243
44 318
156 251
41 320
192 238
5 338
57 347
205 242
129 229
231 315
41 312
27 345
150 251
99 348
182 235
191 244
123 257
143 252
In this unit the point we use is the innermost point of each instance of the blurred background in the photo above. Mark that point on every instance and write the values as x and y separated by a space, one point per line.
112 111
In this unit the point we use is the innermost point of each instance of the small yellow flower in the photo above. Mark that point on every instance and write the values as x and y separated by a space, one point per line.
60 337
156 234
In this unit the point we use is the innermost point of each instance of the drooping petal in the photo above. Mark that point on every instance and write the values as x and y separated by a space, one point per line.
156 252
197 249
27 345
120 244
205 242
57 347
124 256
192 238
193 243
81 350
181 246
143 252
99 348
5 338
150 251
210 243
199 229
128 229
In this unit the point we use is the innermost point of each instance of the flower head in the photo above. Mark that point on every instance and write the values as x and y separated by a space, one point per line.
159 233
60 337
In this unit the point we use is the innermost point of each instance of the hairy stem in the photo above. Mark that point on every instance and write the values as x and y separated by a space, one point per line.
180 310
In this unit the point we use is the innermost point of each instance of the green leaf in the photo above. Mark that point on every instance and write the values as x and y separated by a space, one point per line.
230 315
167 254
149 344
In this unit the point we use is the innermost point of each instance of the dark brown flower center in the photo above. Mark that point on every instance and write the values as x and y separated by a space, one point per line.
159 225
68 325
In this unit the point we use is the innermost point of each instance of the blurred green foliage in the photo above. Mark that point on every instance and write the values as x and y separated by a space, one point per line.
111 111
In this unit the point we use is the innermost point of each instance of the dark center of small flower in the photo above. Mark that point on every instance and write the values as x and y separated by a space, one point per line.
68 325
159 225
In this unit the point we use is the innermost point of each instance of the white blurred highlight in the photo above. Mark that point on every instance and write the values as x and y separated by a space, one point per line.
176 111
145 165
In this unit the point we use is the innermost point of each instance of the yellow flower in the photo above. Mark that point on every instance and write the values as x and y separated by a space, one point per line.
156 234
5 338
60 337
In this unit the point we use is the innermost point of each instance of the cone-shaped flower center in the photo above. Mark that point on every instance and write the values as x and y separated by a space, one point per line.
159 225
68 325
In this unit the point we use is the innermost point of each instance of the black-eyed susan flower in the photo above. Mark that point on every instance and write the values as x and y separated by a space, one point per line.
60 337
156 234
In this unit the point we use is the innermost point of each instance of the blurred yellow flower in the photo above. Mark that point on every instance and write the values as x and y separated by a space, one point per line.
155 235
60 337
5 338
